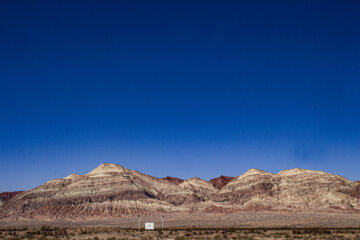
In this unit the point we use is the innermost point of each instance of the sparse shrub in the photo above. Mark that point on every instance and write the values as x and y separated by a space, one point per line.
45 228
180 238
188 234
217 237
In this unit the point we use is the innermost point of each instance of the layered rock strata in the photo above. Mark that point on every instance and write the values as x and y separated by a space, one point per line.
111 190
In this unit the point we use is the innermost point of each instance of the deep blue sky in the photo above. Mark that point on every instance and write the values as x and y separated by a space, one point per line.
180 88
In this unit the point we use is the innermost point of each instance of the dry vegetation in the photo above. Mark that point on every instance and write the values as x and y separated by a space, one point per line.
178 234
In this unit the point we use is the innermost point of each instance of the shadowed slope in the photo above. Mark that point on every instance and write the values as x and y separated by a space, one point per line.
221 181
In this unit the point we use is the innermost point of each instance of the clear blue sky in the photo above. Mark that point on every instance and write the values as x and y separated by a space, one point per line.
179 88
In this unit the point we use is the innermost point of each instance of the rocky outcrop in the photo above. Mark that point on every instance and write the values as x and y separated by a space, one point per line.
355 192
6 196
173 179
111 190
295 189
201 189
221 181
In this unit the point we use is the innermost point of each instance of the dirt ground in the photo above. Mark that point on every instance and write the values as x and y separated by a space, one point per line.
203 220
244 225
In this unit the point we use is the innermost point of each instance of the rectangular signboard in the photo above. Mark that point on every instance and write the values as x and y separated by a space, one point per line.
149 226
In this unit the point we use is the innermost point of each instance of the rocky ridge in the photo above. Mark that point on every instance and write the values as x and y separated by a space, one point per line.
221 181
173 179
111 190
6 196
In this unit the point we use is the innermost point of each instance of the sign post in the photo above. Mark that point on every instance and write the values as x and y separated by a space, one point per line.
139 221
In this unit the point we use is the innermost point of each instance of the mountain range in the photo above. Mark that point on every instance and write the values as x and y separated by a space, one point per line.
112 190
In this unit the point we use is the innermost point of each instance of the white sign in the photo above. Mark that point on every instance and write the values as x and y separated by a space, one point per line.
149 226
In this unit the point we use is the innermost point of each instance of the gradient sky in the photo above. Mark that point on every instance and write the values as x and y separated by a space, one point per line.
179 88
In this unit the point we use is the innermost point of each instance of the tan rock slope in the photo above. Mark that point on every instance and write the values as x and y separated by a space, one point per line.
294 190
111 190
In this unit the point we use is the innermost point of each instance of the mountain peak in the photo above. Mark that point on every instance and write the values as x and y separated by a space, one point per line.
296 171
108 168
253 171
194 179
173 179
72 176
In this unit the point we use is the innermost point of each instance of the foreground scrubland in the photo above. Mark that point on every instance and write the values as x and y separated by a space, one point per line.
49 233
